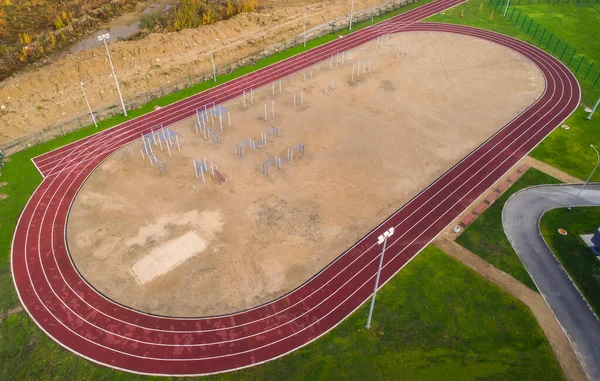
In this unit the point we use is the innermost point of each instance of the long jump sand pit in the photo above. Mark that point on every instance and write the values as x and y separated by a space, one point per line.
153 243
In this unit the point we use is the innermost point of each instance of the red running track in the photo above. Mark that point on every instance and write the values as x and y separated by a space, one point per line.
76 316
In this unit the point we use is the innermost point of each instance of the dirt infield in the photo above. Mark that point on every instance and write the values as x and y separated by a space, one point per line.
371 145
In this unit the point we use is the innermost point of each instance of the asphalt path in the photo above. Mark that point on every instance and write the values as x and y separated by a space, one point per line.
520 219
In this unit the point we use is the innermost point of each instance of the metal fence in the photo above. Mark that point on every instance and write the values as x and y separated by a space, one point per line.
583 67
186 80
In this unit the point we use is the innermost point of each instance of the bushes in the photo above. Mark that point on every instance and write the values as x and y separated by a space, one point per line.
194 13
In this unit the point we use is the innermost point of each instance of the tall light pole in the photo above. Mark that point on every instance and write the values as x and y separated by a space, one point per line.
506 8
589 117
373 13
212 58
381 240
104 37
589 177
305 28
88 104
351 10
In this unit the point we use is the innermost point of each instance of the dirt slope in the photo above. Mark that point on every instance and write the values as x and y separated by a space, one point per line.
38 98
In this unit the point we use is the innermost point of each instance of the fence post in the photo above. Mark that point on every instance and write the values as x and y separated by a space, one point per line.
554 51
550 39
588 72
536 29
517 21
596 81
61 129
572 55
80 125
531 22
580 63
512 13
564 50
22 145
541 38
42 136
524 20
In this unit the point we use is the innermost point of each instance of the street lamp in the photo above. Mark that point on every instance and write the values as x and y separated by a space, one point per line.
104 37
589 117
373 13
212 58
506 8
382 239
589 177
351 10
88 105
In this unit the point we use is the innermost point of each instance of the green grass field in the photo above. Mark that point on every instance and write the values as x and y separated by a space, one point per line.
572 252
569 150
486 238
436 320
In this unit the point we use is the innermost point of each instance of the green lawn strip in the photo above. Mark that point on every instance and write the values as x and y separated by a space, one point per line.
436 320
486 238
569 150
579 32
572 252
23 178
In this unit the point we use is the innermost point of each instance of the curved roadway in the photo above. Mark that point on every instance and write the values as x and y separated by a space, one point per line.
85 322
520 218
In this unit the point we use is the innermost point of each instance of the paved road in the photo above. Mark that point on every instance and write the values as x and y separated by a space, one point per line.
520 220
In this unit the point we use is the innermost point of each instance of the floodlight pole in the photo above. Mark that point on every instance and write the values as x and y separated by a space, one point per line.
506 8
373 13
88 105
103 38
589 117
305 28
589 177
351 10
212 58
382 239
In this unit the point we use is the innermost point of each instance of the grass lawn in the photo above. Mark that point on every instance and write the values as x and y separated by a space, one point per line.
575 26
486 238
436 320
572 252
569 150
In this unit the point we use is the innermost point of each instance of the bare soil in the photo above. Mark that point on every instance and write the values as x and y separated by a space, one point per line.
371 145
34 99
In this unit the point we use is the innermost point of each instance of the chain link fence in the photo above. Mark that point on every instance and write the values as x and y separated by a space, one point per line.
187 80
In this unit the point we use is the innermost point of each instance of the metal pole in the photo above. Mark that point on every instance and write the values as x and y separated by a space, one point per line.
373 13
589 117
212 58
114 75
368 326
351 10
506 8
589 177
89 108
304 28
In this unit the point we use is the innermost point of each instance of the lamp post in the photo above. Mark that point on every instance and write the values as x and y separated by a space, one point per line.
382 239
212 58
351 10
104 37
589 177
88 105
373 12
506 8
304 28
589 117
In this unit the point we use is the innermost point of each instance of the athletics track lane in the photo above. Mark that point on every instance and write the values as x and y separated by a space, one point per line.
76 316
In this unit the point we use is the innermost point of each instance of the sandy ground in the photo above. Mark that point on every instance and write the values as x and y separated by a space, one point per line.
371 145
37 98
